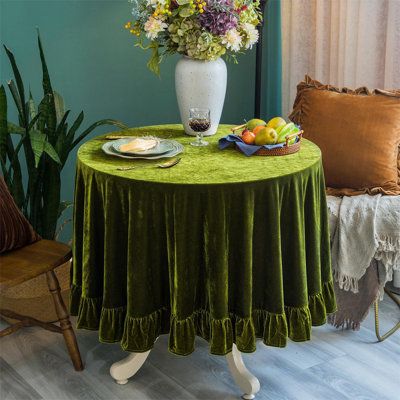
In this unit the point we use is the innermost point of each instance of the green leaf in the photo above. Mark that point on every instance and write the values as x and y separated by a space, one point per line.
17 99
42 109
95 125
64 205
182 2
47 121
51 120
51 114
14 128
15 183
59 106
154 61
185 12
5 172
31 106
51 199
69 137
22 142
75 126
62 123
3 124
49 149
40 145
61 134
18 79
33 121
47 88
38 139
14 155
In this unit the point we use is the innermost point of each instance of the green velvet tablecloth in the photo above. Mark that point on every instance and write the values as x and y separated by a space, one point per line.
223 246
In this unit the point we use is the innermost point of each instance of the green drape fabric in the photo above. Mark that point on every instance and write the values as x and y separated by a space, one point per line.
272 60
223 246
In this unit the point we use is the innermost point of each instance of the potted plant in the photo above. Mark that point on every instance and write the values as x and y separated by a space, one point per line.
202 31
45 139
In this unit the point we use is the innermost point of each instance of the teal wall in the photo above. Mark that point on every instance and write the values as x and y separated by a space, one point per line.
95 67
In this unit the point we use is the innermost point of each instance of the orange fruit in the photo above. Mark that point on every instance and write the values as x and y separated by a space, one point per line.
257 129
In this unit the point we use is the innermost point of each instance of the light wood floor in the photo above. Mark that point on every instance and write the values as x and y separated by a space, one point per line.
333 365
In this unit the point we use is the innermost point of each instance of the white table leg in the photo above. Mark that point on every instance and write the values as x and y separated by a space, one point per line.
247 382
122 370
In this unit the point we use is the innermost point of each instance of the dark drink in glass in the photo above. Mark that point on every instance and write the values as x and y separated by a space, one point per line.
199 125
199 121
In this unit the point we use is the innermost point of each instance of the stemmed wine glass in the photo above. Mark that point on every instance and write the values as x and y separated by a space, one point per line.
199 121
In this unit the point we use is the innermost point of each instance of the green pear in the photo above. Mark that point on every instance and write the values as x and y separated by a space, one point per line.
276 122
250 125
266 135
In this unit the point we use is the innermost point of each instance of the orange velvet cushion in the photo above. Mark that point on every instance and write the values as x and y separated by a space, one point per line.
358 133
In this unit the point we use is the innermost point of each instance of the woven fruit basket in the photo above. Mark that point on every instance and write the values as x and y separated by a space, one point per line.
279 151
286 149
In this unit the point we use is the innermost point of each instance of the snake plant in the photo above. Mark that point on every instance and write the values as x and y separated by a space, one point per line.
42 140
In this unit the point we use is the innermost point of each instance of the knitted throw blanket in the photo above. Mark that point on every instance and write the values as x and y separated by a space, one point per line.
367 228
365 238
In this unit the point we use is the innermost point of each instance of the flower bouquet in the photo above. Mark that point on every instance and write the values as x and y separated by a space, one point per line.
199 29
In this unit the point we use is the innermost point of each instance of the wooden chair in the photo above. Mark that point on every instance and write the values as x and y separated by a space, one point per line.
28 262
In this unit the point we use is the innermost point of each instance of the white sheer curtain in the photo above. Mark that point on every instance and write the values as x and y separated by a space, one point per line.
340 42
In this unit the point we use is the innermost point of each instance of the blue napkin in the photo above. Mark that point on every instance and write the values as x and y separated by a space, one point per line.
247 149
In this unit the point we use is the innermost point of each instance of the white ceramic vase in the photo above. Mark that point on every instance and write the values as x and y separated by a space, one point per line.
200 84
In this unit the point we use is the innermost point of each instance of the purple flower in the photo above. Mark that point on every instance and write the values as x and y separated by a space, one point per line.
218 23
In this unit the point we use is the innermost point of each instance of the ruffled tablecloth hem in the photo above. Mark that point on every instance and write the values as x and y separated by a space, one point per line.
139 334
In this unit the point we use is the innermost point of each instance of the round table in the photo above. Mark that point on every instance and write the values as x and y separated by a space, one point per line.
223 246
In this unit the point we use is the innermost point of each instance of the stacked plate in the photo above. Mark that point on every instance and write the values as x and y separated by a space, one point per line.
164 148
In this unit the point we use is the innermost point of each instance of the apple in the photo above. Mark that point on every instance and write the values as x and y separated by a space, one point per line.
248 136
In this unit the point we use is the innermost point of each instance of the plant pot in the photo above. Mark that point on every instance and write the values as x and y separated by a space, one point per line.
200 84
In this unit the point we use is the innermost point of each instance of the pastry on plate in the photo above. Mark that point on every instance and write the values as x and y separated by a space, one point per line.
137 145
